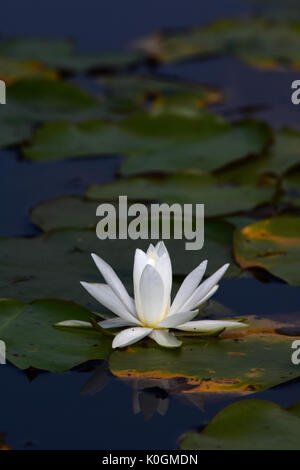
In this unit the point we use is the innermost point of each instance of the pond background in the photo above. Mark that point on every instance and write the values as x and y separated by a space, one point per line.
47 411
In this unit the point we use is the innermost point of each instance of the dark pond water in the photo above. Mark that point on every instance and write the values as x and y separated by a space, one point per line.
53 411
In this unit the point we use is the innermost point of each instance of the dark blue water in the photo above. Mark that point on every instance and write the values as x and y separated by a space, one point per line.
47 411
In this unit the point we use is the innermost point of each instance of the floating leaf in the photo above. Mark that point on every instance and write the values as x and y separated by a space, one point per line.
32 340
136 92
53 264
218 198
206 153
39 100
141 133
59 53
12 70
248 425
258 42
272 244
282 156
235 363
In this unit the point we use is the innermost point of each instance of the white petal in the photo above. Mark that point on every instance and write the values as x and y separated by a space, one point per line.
164 268
204 289
130 336
114 323
210 325
140 261
152 295
114 282
161 249
74 324
188 287
165 339
177 319
151 252
209 295
106 296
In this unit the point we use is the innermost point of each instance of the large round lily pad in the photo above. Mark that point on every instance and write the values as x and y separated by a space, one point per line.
32 340
249 360
272 244
248 425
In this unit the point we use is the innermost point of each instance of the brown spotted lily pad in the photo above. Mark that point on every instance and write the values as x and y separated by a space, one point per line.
272 244
249 360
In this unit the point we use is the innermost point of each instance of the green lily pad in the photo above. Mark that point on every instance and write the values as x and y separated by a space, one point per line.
219 199
136 92
248 425
59 53
139 134
32 341
234 363
272 244
257 42
44 100
205 154
75 212
282 156
53 264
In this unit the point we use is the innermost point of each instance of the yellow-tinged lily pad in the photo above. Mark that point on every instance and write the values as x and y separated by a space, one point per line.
258 42
60 54
272 244
12 70
248 425
128 93
32 340
239 361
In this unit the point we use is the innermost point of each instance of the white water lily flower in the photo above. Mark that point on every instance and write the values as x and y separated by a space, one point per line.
151 313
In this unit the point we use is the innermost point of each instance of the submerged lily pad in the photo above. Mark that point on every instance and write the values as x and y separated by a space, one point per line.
219 198
32 341
248 425
257 42
235 363
272 244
